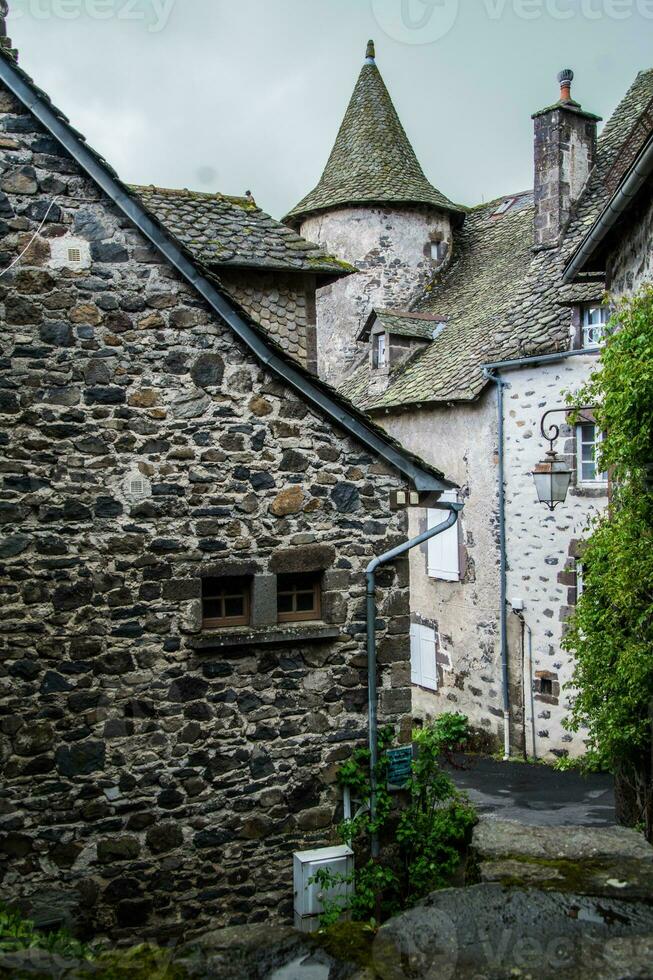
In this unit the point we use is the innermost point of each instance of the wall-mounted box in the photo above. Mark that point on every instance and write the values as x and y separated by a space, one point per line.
310 895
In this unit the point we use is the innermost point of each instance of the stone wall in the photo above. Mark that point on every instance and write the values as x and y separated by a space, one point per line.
465 613
542 545
631 263
282 303
155 778
392 249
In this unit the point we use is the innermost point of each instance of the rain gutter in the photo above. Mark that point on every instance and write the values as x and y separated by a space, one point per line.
454 509
503 612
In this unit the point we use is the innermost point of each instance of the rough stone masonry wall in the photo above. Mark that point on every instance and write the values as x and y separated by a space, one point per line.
392 249
631 264
149 784
542 545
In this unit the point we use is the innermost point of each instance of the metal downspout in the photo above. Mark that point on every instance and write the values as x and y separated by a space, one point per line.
502 565
371 642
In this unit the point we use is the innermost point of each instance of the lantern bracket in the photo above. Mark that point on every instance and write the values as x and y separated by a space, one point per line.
551 432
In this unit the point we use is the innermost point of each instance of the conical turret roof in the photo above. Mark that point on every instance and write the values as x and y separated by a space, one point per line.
372 161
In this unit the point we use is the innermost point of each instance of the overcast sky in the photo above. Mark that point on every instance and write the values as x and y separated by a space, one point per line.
231 95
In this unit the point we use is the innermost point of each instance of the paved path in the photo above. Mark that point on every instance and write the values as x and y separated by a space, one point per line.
536 794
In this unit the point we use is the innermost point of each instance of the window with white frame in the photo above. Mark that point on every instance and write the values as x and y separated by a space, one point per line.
588 438
379 350
595 319
579 579
423 650
444 549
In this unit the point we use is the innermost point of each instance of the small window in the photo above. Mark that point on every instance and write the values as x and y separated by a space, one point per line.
298 598
579 580
225 602
546 686
587 440
595 319
439 251
379 350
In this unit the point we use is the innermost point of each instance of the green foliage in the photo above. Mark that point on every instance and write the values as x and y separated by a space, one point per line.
586 764
17 933
611 633
422 837
143 962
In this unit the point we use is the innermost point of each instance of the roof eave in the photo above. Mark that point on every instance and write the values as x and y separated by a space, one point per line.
590 248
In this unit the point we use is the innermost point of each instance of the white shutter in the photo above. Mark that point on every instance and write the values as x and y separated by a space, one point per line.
443 550
423 646
415 656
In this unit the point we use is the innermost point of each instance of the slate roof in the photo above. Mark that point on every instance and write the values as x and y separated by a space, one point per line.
500 299
372 161
331 404
234 231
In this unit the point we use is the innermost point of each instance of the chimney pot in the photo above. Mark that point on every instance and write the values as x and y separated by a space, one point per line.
565 77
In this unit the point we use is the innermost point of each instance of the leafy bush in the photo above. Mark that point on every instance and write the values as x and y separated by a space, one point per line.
17 933
143 962
422 838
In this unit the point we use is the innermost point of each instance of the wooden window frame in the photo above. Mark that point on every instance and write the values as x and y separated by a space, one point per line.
300 586
231 589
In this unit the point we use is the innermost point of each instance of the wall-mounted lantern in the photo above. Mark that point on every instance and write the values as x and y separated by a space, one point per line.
552 475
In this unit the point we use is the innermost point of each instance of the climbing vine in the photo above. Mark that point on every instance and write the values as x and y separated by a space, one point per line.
423 831
611 633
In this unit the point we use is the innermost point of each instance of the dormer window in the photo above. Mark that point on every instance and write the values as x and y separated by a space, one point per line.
595 319
379 350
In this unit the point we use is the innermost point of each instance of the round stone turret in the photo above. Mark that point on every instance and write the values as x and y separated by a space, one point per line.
374 208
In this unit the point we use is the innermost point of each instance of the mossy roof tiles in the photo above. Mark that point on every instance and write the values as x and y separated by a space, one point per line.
233 231
372 161
501 300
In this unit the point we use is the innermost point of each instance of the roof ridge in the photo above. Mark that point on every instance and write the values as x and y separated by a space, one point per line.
212 195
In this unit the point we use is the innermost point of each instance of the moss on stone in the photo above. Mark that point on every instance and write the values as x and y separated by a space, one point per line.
349 941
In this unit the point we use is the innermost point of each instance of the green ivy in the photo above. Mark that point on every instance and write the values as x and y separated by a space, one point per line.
611 632
422 837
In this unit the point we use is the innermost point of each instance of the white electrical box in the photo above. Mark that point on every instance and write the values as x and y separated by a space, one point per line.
310 895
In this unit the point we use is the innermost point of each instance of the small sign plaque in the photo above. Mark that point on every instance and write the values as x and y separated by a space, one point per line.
400 763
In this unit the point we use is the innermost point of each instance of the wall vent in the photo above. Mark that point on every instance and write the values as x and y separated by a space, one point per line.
137 486
74 255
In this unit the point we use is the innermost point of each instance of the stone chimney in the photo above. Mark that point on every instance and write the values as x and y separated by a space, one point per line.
5 42
565 148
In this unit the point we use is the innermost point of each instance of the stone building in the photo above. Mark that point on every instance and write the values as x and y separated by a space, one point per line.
494 311
187 515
